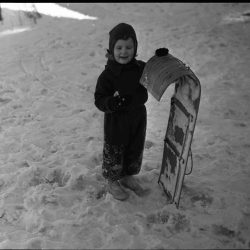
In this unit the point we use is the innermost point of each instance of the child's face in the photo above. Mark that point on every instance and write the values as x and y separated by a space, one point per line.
124 50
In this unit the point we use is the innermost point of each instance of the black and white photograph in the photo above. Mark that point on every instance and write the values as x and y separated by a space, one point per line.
125 125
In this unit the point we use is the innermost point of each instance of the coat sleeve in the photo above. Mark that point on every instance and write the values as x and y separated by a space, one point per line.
103 92
141 95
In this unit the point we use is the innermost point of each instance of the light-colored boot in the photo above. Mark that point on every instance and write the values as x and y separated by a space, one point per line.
117 191
131 183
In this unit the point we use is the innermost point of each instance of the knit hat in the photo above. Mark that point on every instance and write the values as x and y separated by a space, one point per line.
121 31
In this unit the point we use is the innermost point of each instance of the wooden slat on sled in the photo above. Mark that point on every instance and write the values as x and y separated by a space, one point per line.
158 74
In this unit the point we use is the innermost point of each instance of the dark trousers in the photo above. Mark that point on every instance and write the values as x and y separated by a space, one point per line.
122 160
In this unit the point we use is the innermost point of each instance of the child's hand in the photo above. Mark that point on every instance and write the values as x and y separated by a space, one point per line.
125 99
118 102
114 103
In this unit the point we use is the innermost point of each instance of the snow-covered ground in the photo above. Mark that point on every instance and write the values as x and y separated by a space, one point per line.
52 193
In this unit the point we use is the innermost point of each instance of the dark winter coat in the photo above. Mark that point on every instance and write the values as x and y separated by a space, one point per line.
119 125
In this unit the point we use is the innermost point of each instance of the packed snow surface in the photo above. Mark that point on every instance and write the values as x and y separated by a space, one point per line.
52 193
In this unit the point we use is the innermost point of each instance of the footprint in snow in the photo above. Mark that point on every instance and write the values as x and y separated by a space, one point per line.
149 144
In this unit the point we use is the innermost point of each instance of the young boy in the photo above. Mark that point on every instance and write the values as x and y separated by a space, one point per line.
121 97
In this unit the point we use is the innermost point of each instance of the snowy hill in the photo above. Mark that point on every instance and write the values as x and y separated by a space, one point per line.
52 193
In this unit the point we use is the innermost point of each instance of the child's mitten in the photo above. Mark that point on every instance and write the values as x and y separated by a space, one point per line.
116 103
126 100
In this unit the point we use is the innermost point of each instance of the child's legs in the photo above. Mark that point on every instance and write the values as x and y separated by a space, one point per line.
132 165
112 167
133 153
